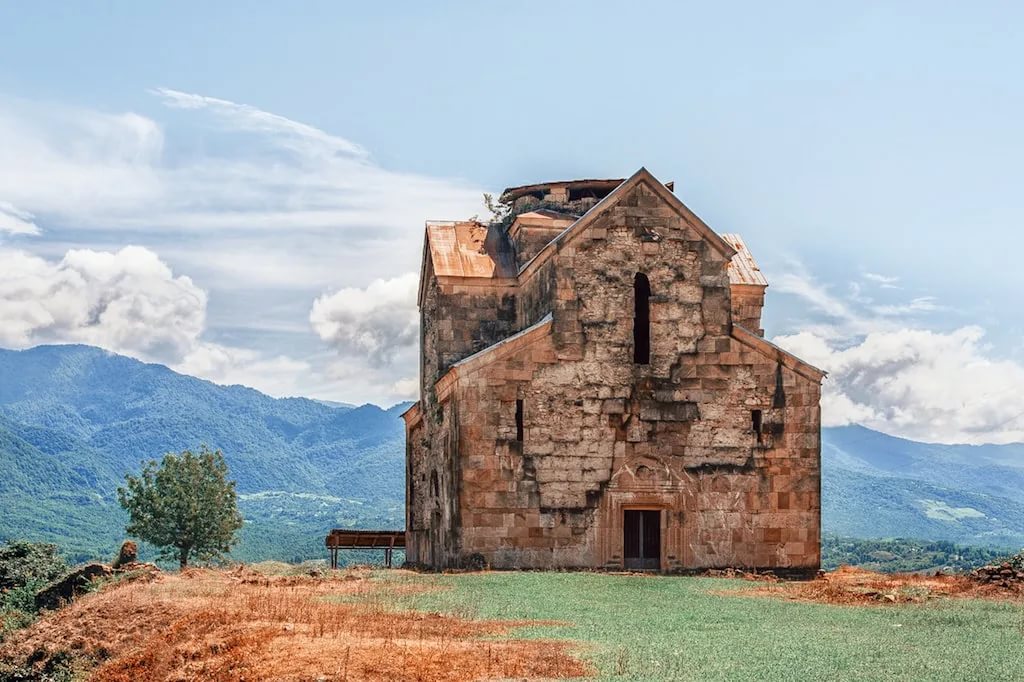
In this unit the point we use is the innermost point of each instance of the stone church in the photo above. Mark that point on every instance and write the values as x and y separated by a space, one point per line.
596 393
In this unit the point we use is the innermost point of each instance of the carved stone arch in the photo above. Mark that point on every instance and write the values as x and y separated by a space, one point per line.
643 472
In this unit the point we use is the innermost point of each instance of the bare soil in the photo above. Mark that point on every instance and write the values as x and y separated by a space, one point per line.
848 585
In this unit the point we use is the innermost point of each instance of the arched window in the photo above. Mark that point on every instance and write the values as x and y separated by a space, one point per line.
641 319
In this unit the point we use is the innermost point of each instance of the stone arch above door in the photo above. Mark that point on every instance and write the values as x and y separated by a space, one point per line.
645 472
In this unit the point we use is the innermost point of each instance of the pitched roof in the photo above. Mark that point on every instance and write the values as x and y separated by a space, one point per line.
773 352
641 176
468 249
743 268
413 414
542 218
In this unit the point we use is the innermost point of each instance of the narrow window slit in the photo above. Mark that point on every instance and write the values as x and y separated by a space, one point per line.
641 319
756 422
519 420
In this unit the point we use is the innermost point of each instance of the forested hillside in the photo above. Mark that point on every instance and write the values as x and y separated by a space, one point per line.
75 419
878 486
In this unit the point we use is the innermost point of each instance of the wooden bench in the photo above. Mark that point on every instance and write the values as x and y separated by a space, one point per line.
388 540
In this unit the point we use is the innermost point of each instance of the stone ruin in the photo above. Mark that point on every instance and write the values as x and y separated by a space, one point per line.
1004 575
596 392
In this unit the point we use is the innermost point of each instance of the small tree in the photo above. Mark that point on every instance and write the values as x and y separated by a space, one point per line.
185 505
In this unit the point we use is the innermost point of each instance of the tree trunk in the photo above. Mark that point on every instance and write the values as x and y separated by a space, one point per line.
183 557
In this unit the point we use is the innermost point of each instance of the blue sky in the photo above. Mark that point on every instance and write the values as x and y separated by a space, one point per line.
271 167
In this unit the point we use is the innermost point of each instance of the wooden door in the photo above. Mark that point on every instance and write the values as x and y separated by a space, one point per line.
641 539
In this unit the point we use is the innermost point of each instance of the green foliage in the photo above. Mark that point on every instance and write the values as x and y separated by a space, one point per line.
23 563
74 420
878 486
58 666
503 214
25 568
1016 561
499 212
900 555
184 505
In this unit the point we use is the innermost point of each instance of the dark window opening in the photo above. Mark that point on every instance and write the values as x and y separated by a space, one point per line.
756 421
641 319
519 421
575 194
641 538
434 484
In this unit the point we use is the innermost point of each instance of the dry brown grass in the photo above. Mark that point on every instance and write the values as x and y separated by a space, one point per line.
854 586
240 625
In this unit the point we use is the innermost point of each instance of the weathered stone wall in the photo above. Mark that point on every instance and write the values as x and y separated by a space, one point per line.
528 241
602 434
536 294
456 320
747 303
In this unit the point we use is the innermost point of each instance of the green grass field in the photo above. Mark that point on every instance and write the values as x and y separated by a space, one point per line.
677 628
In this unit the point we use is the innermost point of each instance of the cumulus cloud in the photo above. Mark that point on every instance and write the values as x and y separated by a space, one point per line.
278 376
407 388
889 372
377 322
128 301
925 385
247 202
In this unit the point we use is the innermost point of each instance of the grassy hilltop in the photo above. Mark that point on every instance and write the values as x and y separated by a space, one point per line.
398 625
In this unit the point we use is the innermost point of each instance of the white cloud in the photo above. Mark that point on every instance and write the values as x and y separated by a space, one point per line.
224 174
15 221
302 138
924 385
377 322
884 281
801 284
921 304
278 376
85 165
888 373
407 388
244 200
128 301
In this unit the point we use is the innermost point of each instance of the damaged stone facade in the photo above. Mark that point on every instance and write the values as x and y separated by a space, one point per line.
596 393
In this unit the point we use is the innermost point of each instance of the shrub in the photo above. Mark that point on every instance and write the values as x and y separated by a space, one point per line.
22 563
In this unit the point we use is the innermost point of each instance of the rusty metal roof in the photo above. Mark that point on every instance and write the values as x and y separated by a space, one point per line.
743 268
469 249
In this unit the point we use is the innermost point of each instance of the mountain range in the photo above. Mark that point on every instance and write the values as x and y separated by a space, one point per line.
75 419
